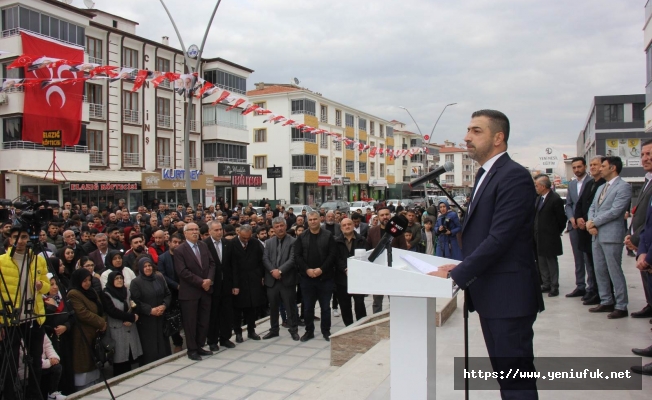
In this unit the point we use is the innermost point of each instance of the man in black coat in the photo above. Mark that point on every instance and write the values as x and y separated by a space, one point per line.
549 223
246 262
219 329
166 268
584 237
346 245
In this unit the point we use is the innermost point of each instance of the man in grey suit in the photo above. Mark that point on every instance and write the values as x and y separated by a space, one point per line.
638 223
605 223
360 227
281 278
575 188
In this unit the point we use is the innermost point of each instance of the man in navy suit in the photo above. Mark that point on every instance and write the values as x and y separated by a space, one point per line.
498 272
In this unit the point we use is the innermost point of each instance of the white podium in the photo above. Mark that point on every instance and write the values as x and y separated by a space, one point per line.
412 317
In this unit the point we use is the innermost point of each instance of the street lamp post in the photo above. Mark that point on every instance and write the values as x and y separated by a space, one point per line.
186 136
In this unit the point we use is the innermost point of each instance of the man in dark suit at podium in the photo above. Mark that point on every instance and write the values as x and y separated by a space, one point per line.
498 273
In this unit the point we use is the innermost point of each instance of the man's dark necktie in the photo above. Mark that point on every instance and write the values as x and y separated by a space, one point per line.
540 203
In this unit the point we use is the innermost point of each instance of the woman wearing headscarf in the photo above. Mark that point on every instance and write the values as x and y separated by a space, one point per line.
89 264
122 323
62 274
89 315
67 257
446 228
114 263
152 297
58 329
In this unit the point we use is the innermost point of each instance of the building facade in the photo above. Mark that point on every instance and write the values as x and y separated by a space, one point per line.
315 168
647 47
128 138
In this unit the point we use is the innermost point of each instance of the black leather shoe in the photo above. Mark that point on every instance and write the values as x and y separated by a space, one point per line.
594 301
228 344
647 352
203 352
295 336
576 293
302 322
253 336
545 289
602 308
238 338
317 318
587 296
194 356
646 312
553 293
307 336
270 335
327 338
615 314
644 370
285 325
214 347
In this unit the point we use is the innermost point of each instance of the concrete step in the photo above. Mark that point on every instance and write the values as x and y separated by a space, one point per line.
355 380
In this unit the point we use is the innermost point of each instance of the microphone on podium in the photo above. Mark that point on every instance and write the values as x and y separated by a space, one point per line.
447 167
395 227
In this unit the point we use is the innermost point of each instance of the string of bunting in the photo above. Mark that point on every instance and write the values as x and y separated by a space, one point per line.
182 85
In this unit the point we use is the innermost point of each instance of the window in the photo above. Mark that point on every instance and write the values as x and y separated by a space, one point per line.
381 130
299 136
382 170
413 143
94 140
338 146
372 167
350 166
163 64
31 20
12 129
338 117
94 50
362 167
450 178
389 131
648 59
193 152
450 157
418 158
349 120
304 161
350 146
371 128
94 93
14 73
323 141
260 162
610 113
637 111
303 106
129 58
130 112
323 165
163 159
362 124
338 166
217 115
467 178
261 105
260 135
217 151
323 113
163 119
130 144
226 80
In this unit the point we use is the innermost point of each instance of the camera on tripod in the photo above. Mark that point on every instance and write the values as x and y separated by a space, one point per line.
33 214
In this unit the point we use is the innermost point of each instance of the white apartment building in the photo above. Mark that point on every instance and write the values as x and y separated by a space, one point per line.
460 180
647 47
316 169
127 138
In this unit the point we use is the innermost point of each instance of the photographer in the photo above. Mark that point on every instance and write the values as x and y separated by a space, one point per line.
16 276
446 228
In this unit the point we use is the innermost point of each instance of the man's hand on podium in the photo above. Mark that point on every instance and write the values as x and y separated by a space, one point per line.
442 271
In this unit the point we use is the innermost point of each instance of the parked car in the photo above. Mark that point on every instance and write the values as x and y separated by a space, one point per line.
393 201
362 205
297 208
336 205
259 210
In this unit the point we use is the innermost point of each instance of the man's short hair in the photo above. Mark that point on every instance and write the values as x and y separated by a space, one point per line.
382 208
314 213
356 216
177 235
101 236
245 228
615 161
136 236
279 220
545 180
499 121
112 229
646 143
203 229
596 157
576 159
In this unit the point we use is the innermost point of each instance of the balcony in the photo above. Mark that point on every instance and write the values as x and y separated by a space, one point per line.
405 162
95 60
193 126
96 110
163 161
165 84
225 131
324 118
194 162
31 156
131 116
97 157
163 121
13 101
15 32
131 159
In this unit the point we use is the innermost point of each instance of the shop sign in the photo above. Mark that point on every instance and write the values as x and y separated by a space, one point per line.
103 186
154 181
323 180
629 150
247 180
274 172
52 139
233 169
378 183
179 174
336 181
346 181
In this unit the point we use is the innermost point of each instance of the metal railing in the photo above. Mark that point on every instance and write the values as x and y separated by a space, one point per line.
305 139
193 125
95 60
194 161
20 144
324 118
338 121
304 167
225 159
16 32
163 121
131 159
14 89
338 171
96 110
131 116
303 112
96 157
163 161
166 84
225 124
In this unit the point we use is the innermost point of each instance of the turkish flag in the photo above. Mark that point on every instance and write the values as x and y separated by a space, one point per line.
57 106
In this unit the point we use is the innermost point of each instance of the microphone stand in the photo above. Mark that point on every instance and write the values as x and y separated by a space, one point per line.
466 306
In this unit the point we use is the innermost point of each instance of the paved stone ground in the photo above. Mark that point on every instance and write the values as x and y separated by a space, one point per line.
279 368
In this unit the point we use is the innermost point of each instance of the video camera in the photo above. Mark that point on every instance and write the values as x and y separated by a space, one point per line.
32 216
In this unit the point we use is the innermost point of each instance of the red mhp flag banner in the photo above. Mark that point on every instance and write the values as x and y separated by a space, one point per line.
56 107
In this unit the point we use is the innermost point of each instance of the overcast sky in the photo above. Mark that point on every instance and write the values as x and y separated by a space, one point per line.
540 62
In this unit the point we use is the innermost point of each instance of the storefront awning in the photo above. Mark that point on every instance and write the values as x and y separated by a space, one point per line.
92 176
